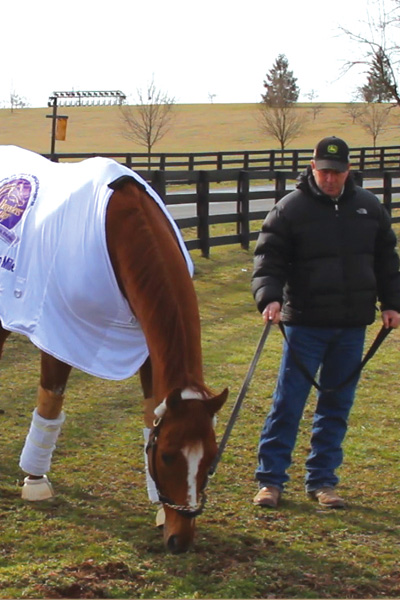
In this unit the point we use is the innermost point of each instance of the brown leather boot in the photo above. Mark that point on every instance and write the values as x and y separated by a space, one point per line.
268 496
327 497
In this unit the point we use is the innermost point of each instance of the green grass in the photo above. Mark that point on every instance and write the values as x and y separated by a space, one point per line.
97 538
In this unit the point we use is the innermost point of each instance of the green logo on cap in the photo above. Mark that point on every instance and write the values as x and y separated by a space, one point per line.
332 149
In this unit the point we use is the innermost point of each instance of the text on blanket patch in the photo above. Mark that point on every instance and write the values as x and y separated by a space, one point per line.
15 195
7 263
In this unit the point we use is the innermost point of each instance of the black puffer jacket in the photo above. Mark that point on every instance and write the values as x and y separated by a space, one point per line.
327 265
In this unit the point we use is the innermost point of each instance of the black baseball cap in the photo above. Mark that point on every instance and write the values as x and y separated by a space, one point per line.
332 153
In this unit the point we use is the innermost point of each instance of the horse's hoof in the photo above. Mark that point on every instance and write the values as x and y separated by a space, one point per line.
35 490
160 517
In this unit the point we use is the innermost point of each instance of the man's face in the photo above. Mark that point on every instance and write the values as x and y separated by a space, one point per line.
331 182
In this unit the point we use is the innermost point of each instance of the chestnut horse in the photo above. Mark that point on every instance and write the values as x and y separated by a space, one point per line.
152 275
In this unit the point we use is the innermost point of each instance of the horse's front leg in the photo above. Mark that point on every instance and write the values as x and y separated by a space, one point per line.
146 381
47 420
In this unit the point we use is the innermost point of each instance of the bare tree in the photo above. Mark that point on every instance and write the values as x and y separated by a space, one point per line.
379 49
354 110
17 101
316 107
147 122
373 119
281 122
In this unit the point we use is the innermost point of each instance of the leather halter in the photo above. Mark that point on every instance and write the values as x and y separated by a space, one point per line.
184 510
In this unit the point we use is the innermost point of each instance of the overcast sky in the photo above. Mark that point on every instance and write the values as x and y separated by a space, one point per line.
194 50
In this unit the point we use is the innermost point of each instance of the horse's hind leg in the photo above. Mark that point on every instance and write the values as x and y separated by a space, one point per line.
3 336
45 427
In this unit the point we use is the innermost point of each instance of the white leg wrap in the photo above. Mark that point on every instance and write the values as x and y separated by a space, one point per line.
40 443
151 486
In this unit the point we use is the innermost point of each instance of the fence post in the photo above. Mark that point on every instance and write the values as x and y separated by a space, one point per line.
203 211
242 226
382 159
158 183
280 185
387 192
362 159
358 178
295 161
272 160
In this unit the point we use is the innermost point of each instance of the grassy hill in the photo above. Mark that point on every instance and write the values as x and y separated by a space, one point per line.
196 128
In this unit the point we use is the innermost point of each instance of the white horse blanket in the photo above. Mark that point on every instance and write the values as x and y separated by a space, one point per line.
57 285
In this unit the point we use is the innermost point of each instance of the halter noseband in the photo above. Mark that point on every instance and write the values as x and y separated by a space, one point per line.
183 509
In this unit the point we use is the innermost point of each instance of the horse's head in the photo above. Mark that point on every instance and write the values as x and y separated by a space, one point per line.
181 449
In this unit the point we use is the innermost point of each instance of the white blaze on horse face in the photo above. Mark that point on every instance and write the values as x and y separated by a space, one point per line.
193 455
189 394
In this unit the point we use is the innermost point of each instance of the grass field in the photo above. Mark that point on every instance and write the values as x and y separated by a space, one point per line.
197 127
97 538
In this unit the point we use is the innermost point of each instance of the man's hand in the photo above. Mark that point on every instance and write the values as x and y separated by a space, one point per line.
390 318
272 312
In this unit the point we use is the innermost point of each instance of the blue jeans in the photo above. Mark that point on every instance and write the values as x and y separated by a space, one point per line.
336 352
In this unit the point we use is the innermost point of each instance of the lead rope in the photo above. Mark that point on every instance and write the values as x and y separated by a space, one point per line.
240 398
382 334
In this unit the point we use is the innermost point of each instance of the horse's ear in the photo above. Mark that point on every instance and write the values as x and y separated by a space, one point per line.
215 403
173 398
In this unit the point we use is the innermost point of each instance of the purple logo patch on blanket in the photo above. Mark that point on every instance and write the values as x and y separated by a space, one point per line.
15 195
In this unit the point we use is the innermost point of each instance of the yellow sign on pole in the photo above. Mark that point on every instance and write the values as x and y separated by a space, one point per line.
61 128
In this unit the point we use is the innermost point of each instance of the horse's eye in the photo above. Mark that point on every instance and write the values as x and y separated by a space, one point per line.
167 458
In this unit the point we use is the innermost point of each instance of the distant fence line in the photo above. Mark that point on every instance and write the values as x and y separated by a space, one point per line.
380 158
246 195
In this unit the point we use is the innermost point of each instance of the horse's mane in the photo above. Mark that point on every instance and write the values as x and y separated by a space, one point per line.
154 277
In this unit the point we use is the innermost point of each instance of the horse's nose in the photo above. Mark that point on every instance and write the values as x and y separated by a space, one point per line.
176 545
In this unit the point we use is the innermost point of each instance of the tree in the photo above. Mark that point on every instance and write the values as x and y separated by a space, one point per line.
316 107
354 110
380 51
379 80
148 121
281 122
17 101
280 84
276 115
373 119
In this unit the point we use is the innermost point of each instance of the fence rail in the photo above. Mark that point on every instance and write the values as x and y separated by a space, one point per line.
243 198
381 158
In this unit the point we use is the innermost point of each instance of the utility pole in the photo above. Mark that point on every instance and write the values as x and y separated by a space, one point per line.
53 103
76 98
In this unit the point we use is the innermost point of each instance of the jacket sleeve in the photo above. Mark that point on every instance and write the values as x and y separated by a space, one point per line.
387 265
271 259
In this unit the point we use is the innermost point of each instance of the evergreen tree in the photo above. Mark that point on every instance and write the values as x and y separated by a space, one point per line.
281 86
379 79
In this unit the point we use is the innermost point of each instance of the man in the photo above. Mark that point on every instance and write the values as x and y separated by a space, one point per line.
325 254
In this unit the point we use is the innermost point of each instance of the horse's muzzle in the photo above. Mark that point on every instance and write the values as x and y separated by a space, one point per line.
176 546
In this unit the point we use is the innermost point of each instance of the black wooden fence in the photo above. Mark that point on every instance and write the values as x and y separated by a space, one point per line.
242 198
